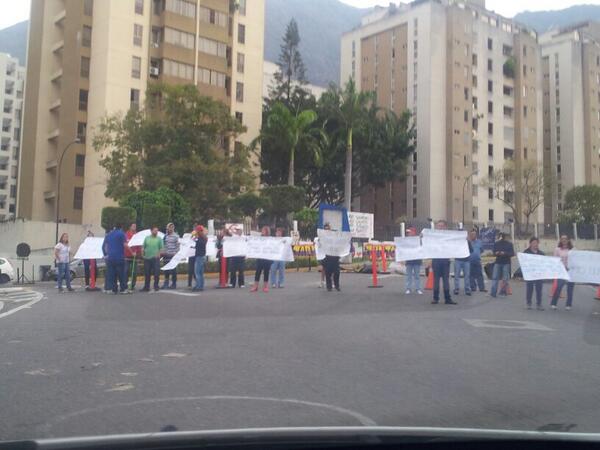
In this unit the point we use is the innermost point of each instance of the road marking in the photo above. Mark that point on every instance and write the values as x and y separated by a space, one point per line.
507 324
16 295
120 387
184 294
174 355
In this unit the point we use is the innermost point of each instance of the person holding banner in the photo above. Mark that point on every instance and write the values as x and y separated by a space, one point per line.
278 267
132 256
192 259
475 262
171 240
237 265
62 257
534 249
413 269
151 249
331 264
200 257
114 249
262 265
504 251
86 266
562 251
463 265
441 271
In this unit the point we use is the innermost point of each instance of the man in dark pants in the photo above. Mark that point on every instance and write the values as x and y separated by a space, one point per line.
236 267
151 250
332 270
192 261
114 249
441 270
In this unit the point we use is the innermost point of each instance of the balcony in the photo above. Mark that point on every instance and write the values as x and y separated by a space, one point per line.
55 105
59 18
49 195
51 165
57 48
53 134
56 76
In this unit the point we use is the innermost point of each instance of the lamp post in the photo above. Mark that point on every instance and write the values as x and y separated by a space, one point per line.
60 160
475 172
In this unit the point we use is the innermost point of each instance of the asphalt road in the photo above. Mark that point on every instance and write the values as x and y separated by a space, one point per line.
90 364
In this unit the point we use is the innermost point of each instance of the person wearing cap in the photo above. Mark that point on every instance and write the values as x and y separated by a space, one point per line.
200 257
171 241
132 257
503 251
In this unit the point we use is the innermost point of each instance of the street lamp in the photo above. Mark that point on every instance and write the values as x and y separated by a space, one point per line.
60 159
475 172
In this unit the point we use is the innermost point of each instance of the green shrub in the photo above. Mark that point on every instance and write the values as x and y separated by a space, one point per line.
113 216
155 215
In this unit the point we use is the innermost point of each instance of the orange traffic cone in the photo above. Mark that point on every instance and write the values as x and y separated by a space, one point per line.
429 283
598 293
554 288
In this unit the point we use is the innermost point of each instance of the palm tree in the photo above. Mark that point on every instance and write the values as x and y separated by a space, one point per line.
348 108
295 130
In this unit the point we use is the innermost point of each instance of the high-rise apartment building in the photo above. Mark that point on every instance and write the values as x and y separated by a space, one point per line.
571 113
90 58
470 77
12 79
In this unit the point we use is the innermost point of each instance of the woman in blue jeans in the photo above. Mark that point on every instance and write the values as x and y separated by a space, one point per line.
277 274
504 251
200 257
562 251
62 256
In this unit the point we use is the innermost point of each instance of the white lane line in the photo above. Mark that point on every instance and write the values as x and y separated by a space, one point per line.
1 305
507 324
183 294
37 298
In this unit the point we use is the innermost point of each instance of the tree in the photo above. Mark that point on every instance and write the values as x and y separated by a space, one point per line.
112 216
307 221
290 79
528 181
292 130
583 205
282 200
179 207
176 141
347 108
155 215
247 204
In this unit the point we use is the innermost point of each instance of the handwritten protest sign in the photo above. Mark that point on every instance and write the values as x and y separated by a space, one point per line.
408 248
235 246
90 248
538 267
319 254
584 267
138 238
211 245
334 243
445 243
361 225
272 248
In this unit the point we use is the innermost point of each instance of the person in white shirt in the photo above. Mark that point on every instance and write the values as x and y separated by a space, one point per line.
62 255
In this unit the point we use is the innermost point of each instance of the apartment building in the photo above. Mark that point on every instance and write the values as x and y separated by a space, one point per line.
90 58
12 79
470 78
571 111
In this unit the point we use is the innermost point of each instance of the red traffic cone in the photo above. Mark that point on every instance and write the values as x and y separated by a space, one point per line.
429 283
598 293
554 288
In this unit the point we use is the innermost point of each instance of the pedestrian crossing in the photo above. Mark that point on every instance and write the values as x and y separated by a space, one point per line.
16 299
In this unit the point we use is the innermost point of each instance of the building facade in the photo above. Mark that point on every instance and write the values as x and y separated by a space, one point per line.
571 89
91 58
12 80
470 78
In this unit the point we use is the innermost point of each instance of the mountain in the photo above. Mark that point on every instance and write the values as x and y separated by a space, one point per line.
544 20
13 40
321 24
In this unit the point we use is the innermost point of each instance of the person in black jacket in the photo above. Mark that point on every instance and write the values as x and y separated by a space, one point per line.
441 271
237 265
534 249
200 257
504 251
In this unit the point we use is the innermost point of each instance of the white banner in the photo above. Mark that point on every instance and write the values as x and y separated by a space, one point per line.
538 267
235 246
137 239
271 248
408 248
584 267
90 248
211 245
361 225
445 243
180 256
318 250
334 243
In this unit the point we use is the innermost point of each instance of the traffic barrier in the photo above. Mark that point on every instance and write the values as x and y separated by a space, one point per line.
384 267
92 286
429 283
374 268
598 293
554 288
223 274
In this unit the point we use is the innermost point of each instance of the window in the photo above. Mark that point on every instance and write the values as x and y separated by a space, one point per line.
475 213
213 17
182 39
212 47
241 58
474 59
491 193
490 128
88 7
84 70
241 33
156 37
180 70
490 44
524 70
474 80
79 165
138 34
83 100
86 36
490 65
134 99
139 7
490 86
242 7
78 198
466 93
490 171
524 111
507 90
491 215
475 102
181 7
81 131
491 107
13 191
525 152
239 117
136 67
239 92
213 77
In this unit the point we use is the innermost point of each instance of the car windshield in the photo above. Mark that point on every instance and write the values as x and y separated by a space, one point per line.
223 214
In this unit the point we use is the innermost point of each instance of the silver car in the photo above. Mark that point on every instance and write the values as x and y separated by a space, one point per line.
76 268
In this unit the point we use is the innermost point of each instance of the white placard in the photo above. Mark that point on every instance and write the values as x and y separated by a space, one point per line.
334 243
90 248
211 246
271 248
538 267
584 267
361 225
408 248
445 244
235 246
179 257
137 240
319 251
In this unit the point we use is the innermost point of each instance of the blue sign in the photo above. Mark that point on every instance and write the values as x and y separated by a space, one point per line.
488 238
328 210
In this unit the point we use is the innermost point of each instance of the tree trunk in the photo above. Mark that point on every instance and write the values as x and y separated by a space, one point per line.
291 168
348 173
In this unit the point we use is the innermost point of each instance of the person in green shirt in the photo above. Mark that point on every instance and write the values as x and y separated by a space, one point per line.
151 252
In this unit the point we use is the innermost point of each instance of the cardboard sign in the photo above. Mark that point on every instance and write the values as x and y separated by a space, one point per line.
538 267
90 248
361 225
319 254
445 243
334 243
409 248
137 239
234 246
271 248
584 267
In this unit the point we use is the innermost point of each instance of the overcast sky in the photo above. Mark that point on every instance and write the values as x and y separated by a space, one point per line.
13 11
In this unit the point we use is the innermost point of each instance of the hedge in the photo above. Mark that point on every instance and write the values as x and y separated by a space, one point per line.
155 215
113 216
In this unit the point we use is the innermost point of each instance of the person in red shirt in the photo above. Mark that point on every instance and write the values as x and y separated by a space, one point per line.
132 256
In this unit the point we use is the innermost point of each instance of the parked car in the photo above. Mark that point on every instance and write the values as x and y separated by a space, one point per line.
76 268
7 273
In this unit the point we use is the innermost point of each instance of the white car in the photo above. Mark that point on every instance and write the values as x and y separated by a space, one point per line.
7 273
